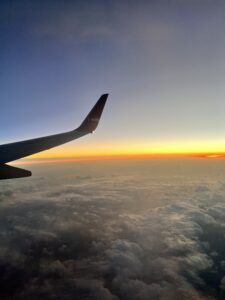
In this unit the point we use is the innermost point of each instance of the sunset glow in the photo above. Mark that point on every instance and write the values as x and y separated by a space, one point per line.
122 149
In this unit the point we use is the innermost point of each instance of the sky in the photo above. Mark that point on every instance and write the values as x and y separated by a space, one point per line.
162 62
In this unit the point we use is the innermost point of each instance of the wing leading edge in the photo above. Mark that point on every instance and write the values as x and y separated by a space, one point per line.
14 151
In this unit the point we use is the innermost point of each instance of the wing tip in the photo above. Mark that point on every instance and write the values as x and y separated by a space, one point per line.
105 95
90 123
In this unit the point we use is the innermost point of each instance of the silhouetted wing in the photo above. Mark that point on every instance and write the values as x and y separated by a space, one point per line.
13 151
9 172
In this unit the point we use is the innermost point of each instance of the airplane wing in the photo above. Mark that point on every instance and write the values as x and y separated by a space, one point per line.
14 151
9 172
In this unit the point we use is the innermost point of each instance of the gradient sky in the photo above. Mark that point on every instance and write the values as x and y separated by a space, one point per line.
162 62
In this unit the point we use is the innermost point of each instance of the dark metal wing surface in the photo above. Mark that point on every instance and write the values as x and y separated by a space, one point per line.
14 151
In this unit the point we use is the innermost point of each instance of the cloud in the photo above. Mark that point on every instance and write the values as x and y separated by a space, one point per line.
102 237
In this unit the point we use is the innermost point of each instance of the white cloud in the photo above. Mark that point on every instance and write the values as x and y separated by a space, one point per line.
107 238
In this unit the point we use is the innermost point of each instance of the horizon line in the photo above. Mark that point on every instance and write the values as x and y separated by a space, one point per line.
36 160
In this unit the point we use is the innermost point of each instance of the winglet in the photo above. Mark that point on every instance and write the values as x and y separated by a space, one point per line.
90 123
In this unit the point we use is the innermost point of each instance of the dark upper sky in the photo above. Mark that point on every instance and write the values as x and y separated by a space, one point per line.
161 61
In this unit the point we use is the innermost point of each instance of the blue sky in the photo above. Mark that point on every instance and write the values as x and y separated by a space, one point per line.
161 61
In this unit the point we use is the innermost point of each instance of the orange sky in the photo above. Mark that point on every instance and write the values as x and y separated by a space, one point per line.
87 148
89 151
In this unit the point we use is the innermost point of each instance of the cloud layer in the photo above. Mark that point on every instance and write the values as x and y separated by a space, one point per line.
100 236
